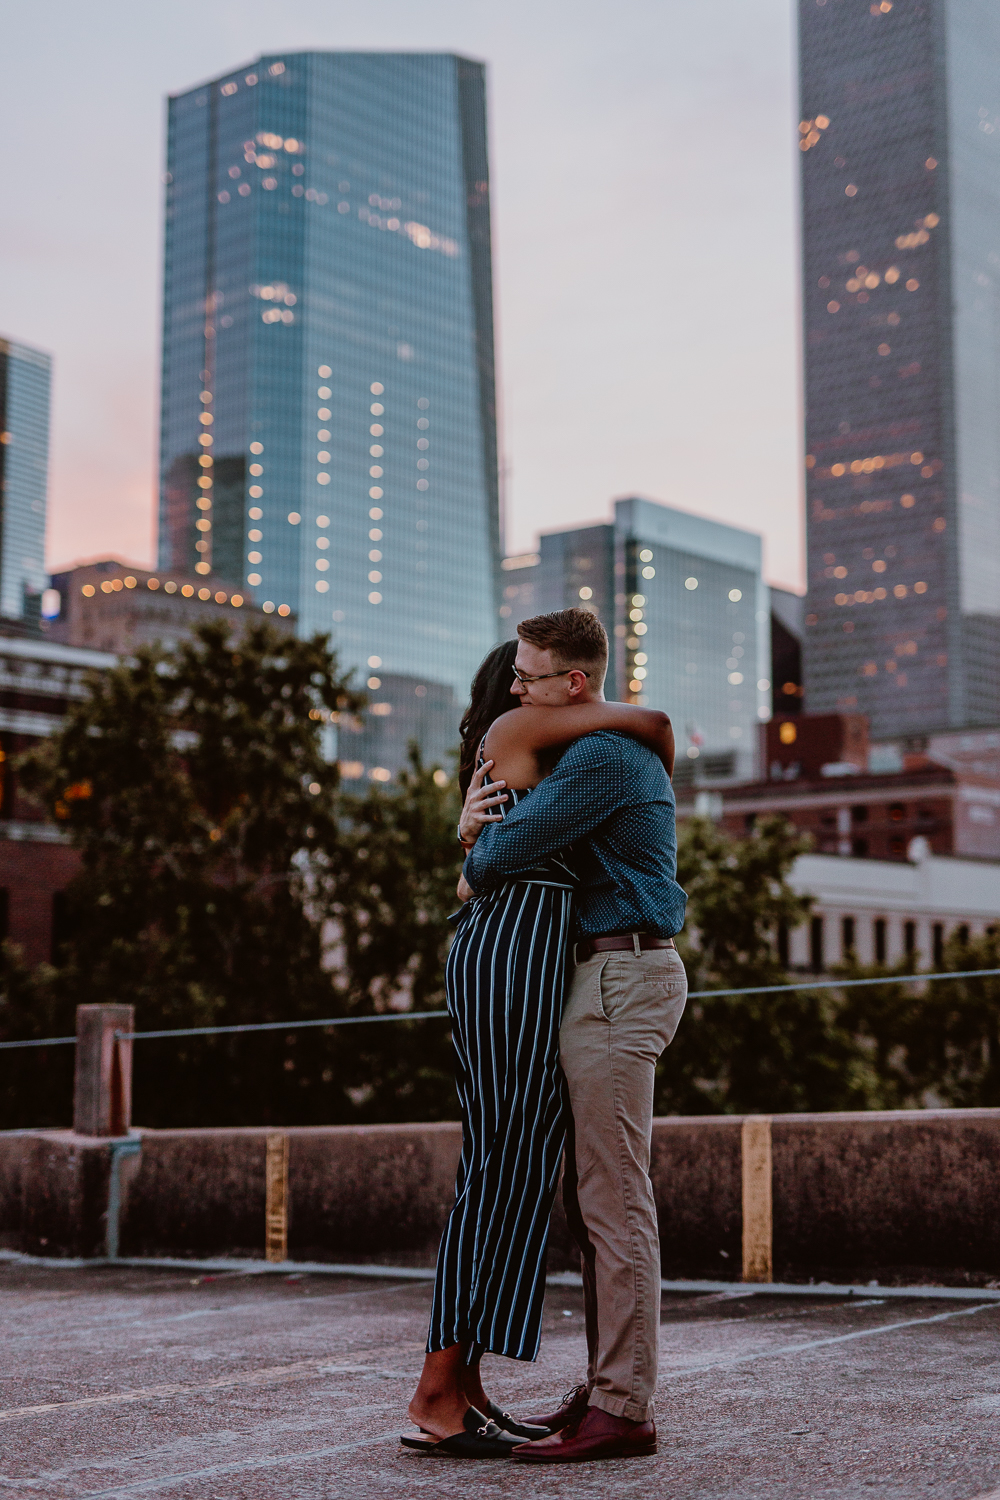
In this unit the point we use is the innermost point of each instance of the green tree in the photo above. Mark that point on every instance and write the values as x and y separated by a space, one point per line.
737 1053
228 879
195 786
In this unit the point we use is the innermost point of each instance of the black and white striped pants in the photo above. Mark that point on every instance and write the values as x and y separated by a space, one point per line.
505 981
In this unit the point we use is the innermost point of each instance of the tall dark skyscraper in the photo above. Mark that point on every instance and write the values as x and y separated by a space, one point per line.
900 143
25 375
328 409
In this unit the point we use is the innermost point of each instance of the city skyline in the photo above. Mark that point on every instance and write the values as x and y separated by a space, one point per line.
613 160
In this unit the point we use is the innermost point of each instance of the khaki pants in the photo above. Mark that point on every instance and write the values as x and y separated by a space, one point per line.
622 1011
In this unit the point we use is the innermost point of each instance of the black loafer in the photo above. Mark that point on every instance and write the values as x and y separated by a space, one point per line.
481 1439
524 1430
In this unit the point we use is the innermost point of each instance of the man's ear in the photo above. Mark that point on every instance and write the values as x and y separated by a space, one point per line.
577 682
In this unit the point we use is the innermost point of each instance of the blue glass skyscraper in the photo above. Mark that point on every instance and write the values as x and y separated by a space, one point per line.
328 407
25 376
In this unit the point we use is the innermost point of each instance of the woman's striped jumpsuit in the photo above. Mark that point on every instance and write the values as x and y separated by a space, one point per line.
505 985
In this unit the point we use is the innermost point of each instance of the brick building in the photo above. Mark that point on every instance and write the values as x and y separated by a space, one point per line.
38 678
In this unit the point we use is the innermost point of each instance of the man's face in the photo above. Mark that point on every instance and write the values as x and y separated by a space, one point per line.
554 692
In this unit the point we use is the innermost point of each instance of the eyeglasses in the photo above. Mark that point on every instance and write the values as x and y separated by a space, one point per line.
524 681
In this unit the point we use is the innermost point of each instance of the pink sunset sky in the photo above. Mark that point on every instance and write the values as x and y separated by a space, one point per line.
645 242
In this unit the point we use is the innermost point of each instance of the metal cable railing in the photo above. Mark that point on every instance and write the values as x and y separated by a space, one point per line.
431 1015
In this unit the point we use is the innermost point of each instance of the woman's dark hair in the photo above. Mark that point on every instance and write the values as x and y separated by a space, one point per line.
490 697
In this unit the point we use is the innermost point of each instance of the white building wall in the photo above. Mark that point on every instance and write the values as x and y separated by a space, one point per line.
935 890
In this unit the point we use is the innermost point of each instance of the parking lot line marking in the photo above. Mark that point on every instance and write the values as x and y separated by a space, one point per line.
144 1486
839 1338
303 1370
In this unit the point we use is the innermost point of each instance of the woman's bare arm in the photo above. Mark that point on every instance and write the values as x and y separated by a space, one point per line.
532 730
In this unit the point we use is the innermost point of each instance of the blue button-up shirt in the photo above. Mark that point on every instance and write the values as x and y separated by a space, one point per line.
610 806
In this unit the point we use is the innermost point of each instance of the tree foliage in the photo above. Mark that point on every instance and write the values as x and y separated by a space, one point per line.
216 849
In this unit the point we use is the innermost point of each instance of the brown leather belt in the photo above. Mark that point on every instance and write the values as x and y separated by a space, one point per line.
614 942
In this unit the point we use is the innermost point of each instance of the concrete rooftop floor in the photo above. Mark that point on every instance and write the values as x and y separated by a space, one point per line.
128 1382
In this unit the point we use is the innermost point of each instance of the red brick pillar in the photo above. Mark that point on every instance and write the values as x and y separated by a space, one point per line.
102 1091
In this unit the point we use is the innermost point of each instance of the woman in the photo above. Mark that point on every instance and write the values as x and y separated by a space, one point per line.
505 979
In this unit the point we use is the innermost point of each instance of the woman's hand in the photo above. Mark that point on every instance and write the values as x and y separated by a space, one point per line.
465 891
478 802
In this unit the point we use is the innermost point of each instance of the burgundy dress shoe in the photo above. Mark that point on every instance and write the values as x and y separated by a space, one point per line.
598 1435
572 1409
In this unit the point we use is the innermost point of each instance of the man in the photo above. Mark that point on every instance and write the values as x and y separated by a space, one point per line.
611 800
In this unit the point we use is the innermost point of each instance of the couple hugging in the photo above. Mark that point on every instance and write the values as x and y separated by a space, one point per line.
564 987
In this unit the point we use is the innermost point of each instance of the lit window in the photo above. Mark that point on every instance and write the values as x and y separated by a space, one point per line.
256 468
376 408
324 372
323 478
374 535
374 555
374 493
187 590
255 536
255 491
641 658
423 403
586 593
88 590
322 456
254 579
690 583
645 555
322 542
375 472
649 572
423 423
255 513
376 450
322 521
294 518
374 576
324 414
322 564
375 514
735 595
638 600
324 393
374 683
374 598
375 429
376 388
256 447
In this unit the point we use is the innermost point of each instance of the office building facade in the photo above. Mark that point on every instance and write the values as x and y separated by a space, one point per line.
687 611
25 378
900 146
328 412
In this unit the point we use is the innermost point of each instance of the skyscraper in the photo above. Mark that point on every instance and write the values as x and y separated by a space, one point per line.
900 143
684 603
25 375
328 419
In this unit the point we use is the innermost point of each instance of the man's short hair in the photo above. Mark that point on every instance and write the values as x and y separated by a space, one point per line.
575 637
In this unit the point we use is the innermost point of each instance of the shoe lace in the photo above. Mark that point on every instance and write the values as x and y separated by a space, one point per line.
572 1395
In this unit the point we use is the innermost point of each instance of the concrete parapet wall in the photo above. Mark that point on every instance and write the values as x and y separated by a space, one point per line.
914 1192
